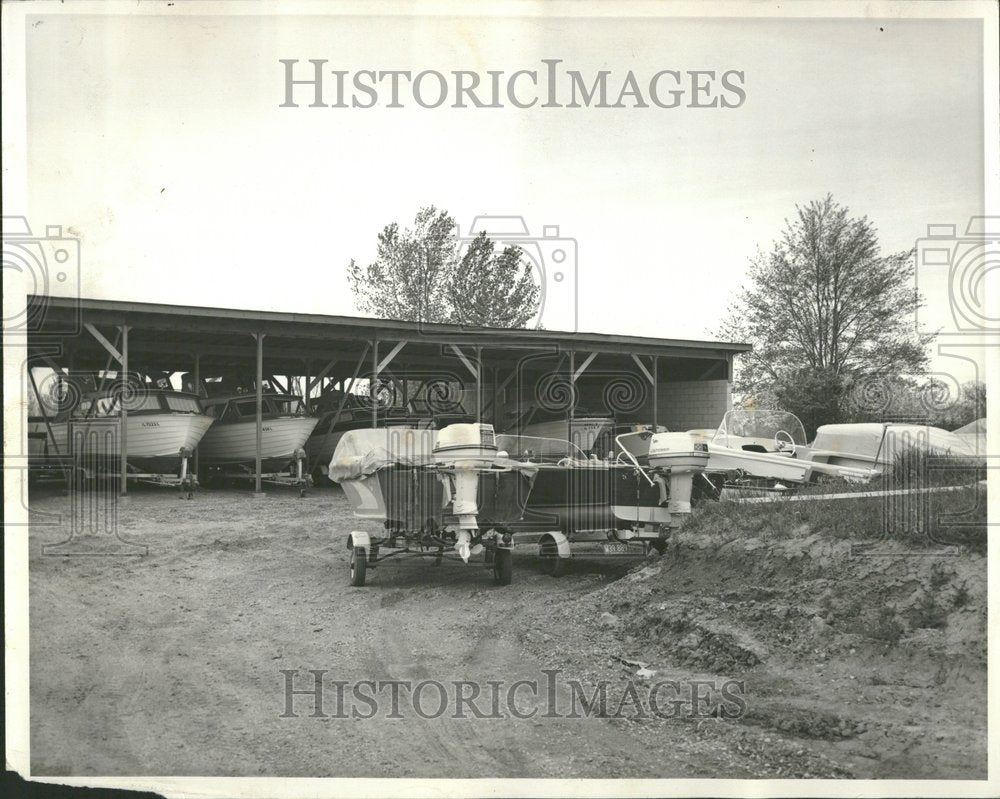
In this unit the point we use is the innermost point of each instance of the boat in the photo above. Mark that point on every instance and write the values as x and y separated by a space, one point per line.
578 498
433 493
758 444
230 446
162 430
973 436
875 445
766 448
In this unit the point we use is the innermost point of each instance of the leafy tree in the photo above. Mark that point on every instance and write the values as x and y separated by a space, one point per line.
823 309
422 274
411 272
492 289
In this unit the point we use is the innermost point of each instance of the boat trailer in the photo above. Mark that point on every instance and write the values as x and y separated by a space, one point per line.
366 552
294 476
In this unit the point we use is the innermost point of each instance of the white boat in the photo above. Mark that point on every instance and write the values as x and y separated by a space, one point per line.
431 492
163 428
771 445
875 445
232 440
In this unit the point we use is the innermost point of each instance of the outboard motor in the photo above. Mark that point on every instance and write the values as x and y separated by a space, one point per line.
678 457
466 450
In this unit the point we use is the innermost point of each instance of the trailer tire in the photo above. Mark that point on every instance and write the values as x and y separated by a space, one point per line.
359 566
503 566
552 564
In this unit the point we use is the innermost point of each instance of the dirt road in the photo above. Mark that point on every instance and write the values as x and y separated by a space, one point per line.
177 663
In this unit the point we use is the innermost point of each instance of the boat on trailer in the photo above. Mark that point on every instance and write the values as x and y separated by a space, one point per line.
629 503
448 494
162 430
229 449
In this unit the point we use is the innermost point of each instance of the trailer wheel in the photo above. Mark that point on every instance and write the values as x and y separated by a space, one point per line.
552 564
359 565
503 567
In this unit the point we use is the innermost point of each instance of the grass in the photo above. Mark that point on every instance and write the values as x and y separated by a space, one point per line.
953 518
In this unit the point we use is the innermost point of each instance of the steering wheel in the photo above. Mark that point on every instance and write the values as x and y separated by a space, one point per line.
783 445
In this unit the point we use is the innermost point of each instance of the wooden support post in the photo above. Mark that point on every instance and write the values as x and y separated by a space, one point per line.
197 391
260 411
493 397
124 411
479 385
572 390
307 385
656 380
371 383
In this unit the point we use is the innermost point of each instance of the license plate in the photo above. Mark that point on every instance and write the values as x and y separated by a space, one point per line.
616 549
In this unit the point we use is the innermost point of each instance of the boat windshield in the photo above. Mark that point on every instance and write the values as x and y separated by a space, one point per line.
286 406
539 450
760 426
181 403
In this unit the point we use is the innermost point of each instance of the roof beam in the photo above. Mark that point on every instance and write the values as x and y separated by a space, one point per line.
583 366
388 358
643 369
322 373
466 361
103 341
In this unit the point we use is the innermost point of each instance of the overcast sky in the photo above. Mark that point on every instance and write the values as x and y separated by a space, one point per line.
160 142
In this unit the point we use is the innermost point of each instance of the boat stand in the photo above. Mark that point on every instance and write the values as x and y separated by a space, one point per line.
294 477
186 482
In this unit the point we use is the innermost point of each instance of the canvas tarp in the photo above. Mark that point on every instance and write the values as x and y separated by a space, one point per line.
877 442
362 452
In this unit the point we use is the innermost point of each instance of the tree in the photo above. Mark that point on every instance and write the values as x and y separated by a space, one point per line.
491 289
411 272
824 309
424 275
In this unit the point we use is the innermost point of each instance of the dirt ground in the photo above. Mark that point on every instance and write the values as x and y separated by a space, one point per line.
171 663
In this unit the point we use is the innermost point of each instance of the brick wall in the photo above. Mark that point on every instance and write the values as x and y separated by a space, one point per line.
689 404
683 404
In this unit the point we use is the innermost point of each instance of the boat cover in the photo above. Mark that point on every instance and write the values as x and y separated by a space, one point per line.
365 451
865 440
974 435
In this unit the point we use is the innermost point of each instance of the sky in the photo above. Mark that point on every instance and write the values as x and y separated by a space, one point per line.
160 142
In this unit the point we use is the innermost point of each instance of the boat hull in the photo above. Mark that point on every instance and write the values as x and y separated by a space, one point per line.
590 498
758 464
154 441
411 499
236 443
